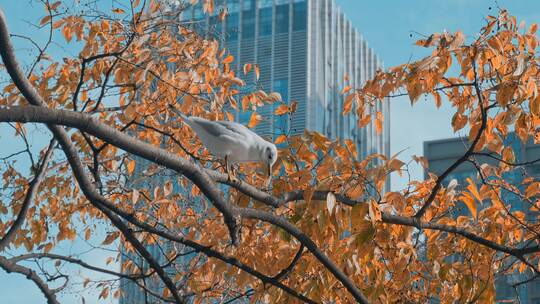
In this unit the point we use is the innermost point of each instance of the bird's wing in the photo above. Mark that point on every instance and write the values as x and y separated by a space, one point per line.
221 128
236 128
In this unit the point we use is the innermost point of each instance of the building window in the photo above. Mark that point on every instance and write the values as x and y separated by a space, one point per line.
282 18
233 6
248 19
215 27
265 3
265 21
232 27
299 16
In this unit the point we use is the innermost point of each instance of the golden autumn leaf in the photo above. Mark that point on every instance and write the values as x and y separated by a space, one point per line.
254 119
44 20
459 121
281 109
257 72
118 11
131 166
379 119
247 68
111 237
469 202
229 59
347 105
280 139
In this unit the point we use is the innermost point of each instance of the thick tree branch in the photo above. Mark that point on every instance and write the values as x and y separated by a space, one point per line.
108 134
9 267
33 97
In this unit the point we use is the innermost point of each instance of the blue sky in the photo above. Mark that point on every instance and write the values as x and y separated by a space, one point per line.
385 24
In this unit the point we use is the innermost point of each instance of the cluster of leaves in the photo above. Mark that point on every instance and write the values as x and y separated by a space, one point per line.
325 232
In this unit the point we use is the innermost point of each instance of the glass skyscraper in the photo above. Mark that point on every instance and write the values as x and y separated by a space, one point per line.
304 50
441 154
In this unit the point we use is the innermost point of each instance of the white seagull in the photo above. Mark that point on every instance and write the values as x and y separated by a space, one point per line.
232 141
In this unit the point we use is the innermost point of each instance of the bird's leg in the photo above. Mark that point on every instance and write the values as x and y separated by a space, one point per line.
230 176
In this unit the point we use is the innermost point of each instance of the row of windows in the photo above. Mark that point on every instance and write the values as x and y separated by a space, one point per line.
233 24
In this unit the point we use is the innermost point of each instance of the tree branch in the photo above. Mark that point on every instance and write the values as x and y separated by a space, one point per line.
9 267
30 194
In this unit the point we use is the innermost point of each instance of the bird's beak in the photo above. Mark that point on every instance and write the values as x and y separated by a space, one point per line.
269 167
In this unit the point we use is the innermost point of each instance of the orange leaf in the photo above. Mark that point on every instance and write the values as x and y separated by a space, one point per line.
469 201
247 68
347 105
257 72
254 119
459 121
437 99
280 139
118 11
45 20
110 238
67 33
294 105
228 59
346 89
131 166
282 109
379 122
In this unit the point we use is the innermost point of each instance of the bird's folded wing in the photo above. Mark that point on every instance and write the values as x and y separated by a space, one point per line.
222 128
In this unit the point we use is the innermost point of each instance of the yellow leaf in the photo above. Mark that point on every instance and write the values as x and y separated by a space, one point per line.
346 89
254 119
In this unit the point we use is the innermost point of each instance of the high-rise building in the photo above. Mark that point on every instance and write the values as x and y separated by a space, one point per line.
441 154
305 49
